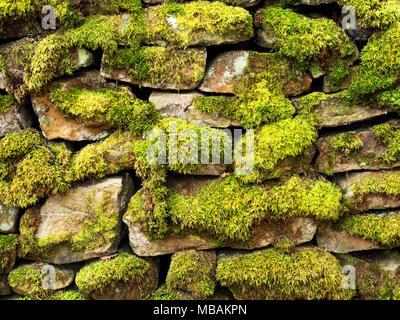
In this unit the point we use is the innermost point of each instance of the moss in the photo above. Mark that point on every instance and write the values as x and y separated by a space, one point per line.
307 273
391 139
163 293
98 276
159 64
58 295
193 272
195 19
234 208
6 101
380 65
346 143
375 13
381 229
91 106
307 104
8 246
276 142
390 99
303 38
99 229
27 279
338 72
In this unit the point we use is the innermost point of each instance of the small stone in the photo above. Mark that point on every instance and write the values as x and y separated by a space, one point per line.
8 219
5 289
16 118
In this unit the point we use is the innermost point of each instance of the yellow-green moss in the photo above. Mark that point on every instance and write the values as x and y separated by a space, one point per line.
375 13
390 99
346 143
303 38
194 19
384 229
58 295
338 72
307 273
391 139
227 210
276 142
163 293
6 101
8 247
193 272
27 279
100 275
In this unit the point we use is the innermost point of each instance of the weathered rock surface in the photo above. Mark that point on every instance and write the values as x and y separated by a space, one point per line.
183 70
82 224
5 289
341 241
180 105
55 125
15 119
25 28
8 219
227 68
369 157
371 200
8 252
33 278
389 260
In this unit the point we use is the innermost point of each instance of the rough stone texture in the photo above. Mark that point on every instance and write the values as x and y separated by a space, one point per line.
224 71
5 289
15 119
369 157
66 214
8 219
8 259
180 105
389 260
55 125
25 28
370 201
341 241
345 84
53 278
164 81
334 112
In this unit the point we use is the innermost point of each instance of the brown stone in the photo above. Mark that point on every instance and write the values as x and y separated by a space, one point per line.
15 119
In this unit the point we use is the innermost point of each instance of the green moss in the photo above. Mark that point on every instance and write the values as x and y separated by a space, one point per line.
163 293
375 13
6 101
59 295
391 139
193 272
276 142
303 38
307 273
346 143
91 106
390 99
307 104
234 208
8 246
380 65
27 279
381 229
194 19
100 275
338 72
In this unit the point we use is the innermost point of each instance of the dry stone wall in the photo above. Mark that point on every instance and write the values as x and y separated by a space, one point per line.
312 205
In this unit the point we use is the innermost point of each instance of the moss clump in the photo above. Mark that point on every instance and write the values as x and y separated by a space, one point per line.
390 99
116 106
338 72
307 105
31 169
380 65
8 247
307 273
276 142
391 139
126 268
193 272
234 209
381 229
59 295
375 13
6 101
303 38
27 279
195 19
346 143
163 293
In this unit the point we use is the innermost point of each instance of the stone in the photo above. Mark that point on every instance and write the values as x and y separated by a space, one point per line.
232 26
8 252
229 67
8 219
124 277
55 125
389 260
180 105
369 157
20 29
33 278
335 112
183 70
16 118
345 84
82 224
369 201
5 289
336 241
358 33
